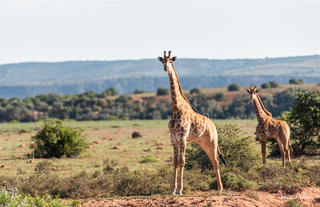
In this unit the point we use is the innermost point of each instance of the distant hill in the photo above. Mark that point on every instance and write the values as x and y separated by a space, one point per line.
71 77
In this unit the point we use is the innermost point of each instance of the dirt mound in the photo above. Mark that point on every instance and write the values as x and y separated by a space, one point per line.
308 197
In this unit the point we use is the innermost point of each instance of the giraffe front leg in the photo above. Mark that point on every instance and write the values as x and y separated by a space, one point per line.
175 168
263 150
182 161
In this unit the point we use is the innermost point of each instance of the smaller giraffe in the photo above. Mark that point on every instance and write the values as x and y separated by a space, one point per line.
269 127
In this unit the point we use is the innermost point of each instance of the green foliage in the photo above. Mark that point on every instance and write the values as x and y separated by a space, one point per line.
195 91
233 87
270 84
239 151
235 182
219 96
162 91
304 120
265 85
56 140
138 91
148 158
297 82
274 84
110 92
11 199
293 203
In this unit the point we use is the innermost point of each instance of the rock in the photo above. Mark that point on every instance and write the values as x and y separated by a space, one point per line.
136 134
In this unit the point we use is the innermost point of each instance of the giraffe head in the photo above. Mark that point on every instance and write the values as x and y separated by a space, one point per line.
252 91
167 61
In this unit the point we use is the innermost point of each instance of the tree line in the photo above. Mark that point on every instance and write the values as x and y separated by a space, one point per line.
108 106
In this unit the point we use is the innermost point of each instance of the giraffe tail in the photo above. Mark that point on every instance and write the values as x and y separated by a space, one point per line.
221 157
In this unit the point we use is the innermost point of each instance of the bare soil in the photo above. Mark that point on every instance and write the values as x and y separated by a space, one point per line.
310 196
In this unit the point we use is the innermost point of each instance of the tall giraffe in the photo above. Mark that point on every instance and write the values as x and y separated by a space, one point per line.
269 127
187 125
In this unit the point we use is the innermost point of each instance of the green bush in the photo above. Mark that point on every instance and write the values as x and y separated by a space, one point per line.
293 203
274 84
138 91
148 158
56 140
8 198
265 85
162 91
233 87
219 96
195 91
304 121
239 151
297 82
235 182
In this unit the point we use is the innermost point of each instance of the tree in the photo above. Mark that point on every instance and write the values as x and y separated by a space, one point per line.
297 82
265 85
233 87
219 96
195 91
274 84
162 91
138 91
304 120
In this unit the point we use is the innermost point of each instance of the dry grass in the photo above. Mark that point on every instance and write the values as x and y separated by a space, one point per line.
109 140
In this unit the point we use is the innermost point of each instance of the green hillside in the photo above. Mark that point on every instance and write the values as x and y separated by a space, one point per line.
33 78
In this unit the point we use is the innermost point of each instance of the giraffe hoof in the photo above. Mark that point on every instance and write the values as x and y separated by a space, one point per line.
178 192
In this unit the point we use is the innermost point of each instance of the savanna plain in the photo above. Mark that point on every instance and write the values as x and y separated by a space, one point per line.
139 169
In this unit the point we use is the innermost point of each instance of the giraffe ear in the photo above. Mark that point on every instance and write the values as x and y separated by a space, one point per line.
174 58
160 59
248 91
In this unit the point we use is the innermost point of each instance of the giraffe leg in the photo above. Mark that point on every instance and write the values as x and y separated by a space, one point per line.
182 161
211 152
287 151
282 152
175 168
263 151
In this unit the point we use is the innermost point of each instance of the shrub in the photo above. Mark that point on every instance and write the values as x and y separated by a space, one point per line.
239 151
233 87
57 140
274 84
293 203
8 198
265 85
219 96
297 82
304 121
195 91
138 91
235 182
162 91
148 158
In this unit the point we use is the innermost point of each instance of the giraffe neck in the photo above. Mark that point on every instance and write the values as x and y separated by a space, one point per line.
178 100
261 112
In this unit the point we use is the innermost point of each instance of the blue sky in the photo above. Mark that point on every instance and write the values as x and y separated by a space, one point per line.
59 30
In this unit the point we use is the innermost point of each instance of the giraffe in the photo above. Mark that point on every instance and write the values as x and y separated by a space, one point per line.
269 127
188 125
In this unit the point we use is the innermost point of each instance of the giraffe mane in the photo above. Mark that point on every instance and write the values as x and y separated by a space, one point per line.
262 106
180 88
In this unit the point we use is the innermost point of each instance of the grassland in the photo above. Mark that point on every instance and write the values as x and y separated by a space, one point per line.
109 140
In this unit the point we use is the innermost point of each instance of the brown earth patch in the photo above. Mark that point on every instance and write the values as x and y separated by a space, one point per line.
308 197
